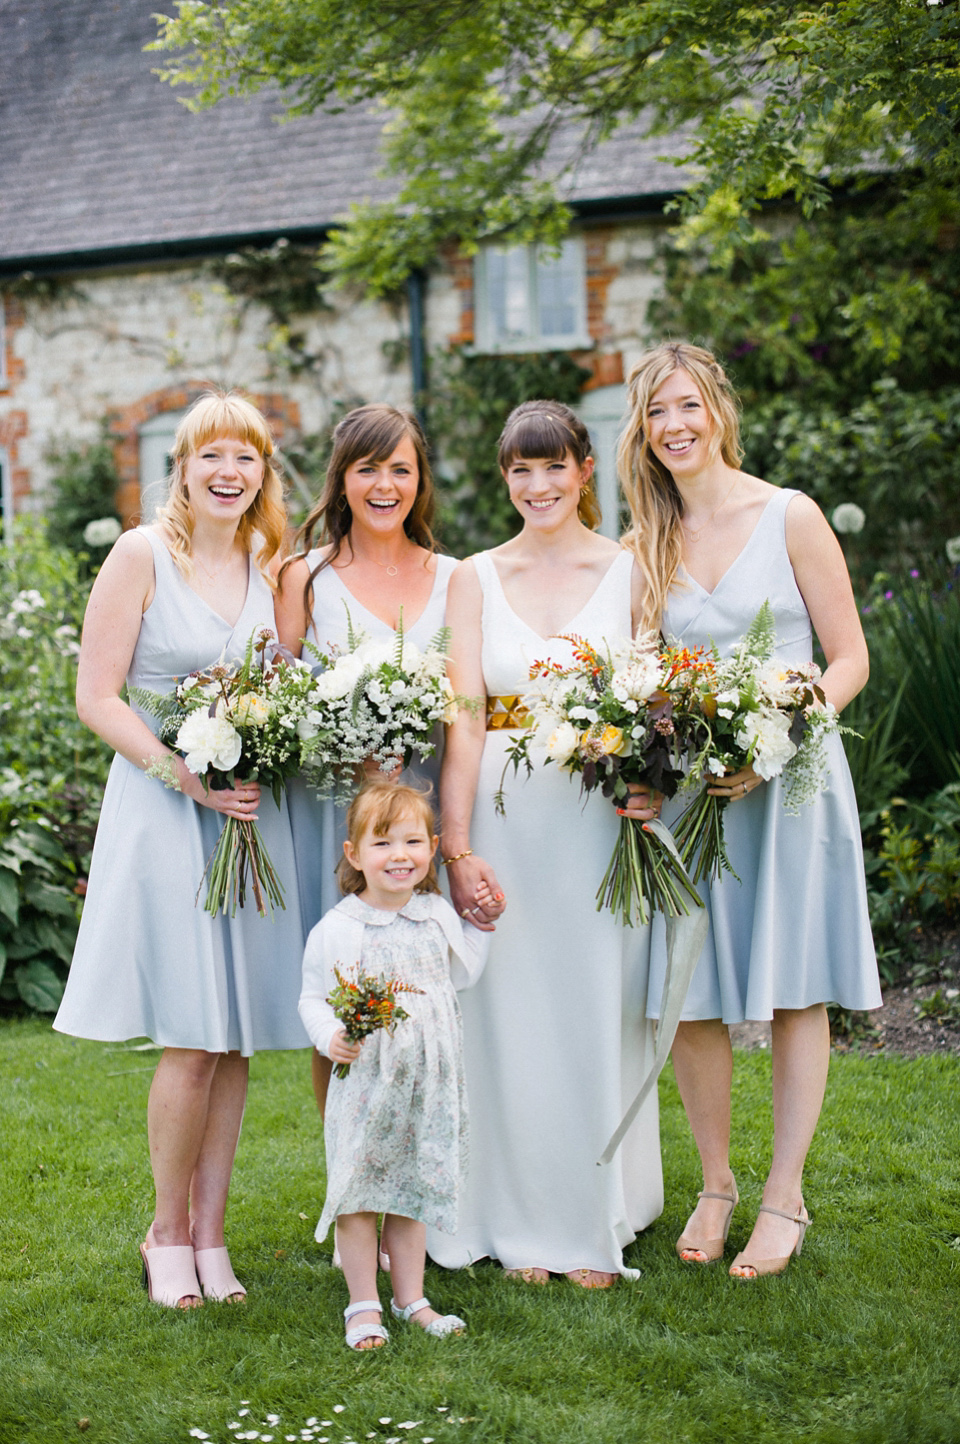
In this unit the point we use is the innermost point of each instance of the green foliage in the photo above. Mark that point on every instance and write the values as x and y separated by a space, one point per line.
774 97
85 484
470 398
52 769
283 277
924 624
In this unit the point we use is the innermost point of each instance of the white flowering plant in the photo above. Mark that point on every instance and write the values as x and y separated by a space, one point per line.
249 720
757 712
613 718
375 700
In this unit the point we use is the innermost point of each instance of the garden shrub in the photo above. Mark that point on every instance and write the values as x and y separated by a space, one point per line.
52 768
84 483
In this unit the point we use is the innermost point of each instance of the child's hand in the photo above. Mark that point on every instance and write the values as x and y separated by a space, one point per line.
490 903
341 1051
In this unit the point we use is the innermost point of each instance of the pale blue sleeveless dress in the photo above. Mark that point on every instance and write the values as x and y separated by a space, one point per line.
149 961
319 827
795 930
556 1044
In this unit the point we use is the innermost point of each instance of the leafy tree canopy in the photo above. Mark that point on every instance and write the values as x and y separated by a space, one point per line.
778 100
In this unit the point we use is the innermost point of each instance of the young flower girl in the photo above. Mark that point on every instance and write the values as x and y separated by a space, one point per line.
396 1125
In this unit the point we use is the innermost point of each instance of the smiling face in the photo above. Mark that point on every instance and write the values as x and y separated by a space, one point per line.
223 478
392 862
380 494
545 491
678 426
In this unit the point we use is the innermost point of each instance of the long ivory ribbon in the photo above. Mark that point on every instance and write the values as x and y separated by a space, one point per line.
685 939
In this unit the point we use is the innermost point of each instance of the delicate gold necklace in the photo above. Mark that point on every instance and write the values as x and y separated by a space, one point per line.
696 535
222 568
391 569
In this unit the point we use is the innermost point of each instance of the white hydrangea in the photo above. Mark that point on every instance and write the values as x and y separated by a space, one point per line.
209 742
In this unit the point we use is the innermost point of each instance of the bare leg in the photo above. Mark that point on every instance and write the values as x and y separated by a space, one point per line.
703 1067
211 1176
320 1069
801 1058
408 1253
176 1124
357 1244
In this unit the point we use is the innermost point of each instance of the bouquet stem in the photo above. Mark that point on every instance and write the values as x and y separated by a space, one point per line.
644 876
240 850
699 836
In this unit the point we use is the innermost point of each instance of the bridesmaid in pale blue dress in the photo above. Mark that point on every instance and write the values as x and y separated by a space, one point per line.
171 598
376 559
793 934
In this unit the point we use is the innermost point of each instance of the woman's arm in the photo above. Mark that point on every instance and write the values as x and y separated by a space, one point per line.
464 743
123 589
643 802
821 572
289 608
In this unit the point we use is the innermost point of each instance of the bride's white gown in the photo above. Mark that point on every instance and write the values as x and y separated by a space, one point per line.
555 1035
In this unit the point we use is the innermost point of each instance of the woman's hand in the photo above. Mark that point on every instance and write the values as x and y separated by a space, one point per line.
475 892
734 785
643 804
240 802
371 771
341 1051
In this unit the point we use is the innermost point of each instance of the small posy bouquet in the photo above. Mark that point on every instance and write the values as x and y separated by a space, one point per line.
364 1004
377 699
757 711
248 720
619 717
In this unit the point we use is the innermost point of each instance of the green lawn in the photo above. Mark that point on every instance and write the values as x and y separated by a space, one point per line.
859 1341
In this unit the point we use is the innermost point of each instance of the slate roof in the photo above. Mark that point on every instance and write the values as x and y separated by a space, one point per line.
100 160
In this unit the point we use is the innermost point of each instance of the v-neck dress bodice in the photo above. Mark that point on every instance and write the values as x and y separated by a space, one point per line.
555 1038
319 828
149 961
795 930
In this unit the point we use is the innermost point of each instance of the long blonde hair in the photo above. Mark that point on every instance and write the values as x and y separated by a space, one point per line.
656 507
225 414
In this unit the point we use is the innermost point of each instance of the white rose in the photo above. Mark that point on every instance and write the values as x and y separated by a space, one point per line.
848 518
250 710
309 726
767 733
209 742
562 743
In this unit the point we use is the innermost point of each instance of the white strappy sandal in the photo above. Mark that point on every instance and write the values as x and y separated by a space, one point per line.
356 1336
437 1328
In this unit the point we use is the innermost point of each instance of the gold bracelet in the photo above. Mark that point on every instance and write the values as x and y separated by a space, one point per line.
446 861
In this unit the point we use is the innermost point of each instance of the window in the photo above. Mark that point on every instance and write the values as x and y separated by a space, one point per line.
156 444
6 499
603 412
529 299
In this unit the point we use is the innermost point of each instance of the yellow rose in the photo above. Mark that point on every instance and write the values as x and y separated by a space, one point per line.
611 741
250 710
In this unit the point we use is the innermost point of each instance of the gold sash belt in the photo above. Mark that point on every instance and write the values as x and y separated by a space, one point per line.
506 712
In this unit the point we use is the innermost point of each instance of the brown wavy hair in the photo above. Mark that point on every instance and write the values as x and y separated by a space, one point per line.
376 807
367 433
550 429
656 507
225 414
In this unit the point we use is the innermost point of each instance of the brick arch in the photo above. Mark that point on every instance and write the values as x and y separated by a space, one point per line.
282 414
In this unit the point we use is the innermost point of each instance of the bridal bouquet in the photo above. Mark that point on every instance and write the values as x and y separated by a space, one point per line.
364 1004
377 699
757 711
250 720
623 716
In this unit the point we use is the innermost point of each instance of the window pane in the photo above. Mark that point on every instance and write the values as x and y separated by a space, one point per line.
508 294
558 285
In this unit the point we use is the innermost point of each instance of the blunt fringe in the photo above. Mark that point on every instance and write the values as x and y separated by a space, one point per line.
550 429
226 414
